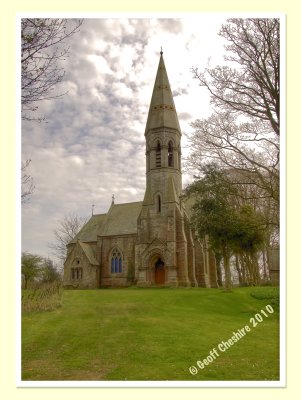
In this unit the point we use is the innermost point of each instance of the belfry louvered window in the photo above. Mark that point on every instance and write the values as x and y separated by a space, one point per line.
158 155
170 154
116 262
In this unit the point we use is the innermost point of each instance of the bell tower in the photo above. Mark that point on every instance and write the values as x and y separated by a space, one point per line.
163 141
163 234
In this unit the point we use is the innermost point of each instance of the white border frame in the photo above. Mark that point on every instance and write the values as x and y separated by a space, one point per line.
159 384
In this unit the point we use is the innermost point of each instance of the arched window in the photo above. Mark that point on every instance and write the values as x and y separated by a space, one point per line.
158 155
147 159
116 262
170 154
76 273
179 159
158 203
77 270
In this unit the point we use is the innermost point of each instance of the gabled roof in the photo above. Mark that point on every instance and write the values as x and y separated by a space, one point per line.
86 249
89 253
89 231
121 219
162 110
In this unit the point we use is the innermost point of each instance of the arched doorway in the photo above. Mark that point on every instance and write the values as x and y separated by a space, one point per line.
159 272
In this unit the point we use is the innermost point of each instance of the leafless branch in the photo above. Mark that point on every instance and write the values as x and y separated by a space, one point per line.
42 52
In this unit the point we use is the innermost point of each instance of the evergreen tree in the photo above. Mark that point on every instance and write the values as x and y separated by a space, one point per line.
232 228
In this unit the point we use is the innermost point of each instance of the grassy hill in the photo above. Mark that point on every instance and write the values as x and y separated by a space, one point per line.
152 334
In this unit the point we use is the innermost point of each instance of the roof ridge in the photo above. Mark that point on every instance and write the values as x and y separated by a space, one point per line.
131 202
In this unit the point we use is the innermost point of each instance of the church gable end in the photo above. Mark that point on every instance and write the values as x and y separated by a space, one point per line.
81 269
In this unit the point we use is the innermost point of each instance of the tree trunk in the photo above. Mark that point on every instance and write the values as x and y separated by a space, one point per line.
248 271
218 259
255 269
238 269
264 261
243 270
226 259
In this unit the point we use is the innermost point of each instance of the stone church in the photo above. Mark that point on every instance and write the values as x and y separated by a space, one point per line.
150 242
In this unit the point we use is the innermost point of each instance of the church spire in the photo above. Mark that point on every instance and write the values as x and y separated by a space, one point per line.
162 112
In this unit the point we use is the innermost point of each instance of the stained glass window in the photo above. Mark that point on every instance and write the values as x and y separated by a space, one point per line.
116 262
112 266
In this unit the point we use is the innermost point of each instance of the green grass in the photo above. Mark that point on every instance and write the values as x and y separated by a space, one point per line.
150 334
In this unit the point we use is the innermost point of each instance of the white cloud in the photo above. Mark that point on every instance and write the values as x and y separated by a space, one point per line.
121 90
99 63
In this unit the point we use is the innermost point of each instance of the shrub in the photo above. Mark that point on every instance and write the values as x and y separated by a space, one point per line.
42 297
267 293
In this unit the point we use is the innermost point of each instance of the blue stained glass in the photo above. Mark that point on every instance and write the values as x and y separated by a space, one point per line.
112 265
116 264
120 264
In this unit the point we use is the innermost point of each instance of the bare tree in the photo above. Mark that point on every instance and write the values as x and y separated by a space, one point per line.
252 88
67 229
27 186
245 147
242 134
42 50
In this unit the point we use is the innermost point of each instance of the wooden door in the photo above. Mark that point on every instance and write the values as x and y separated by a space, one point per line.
159 272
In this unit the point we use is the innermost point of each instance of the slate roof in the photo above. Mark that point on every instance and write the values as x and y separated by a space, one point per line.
89 253
89 231
121 219
87 250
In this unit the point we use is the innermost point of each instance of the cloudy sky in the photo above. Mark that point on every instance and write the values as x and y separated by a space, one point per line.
93 142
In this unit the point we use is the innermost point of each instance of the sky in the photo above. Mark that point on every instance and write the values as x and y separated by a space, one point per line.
92 145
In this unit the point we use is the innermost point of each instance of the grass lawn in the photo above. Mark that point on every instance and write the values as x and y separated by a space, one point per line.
151 334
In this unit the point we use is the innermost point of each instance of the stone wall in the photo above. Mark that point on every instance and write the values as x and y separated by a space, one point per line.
126 245
78 271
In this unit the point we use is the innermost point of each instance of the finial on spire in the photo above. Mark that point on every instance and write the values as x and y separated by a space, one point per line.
93 209
161 52
113 198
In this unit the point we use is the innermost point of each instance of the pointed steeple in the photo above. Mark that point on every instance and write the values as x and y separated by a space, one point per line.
162 112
